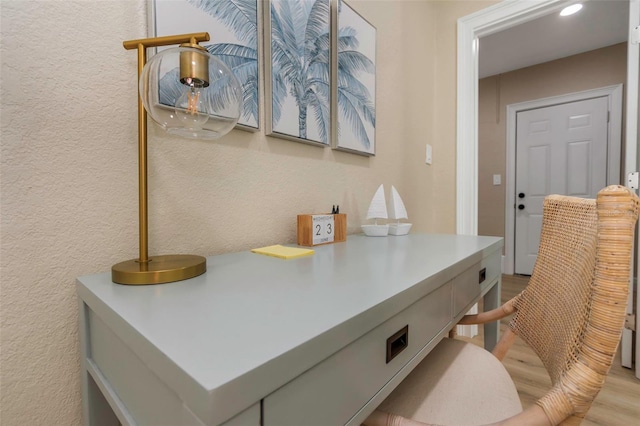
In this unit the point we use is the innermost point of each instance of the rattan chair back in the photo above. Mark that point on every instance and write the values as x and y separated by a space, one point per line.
572 312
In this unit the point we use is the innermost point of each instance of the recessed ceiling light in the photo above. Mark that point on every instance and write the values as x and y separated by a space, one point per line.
570 10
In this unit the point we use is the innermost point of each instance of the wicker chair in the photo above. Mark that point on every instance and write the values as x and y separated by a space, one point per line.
571 314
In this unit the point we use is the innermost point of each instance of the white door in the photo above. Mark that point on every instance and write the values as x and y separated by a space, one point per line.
561 149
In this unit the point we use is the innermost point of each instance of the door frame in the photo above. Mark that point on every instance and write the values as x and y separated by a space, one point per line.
631 165
487 21
614 145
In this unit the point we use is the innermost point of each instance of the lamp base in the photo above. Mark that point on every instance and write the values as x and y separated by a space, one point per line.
159 269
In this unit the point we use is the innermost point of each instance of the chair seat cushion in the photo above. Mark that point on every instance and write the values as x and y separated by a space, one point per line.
457 384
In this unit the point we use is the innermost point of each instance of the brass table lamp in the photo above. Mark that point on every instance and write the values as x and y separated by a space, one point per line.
190 93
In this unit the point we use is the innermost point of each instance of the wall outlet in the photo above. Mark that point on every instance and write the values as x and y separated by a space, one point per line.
429 158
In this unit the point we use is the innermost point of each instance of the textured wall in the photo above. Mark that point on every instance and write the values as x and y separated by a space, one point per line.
69 181
590 70
66 184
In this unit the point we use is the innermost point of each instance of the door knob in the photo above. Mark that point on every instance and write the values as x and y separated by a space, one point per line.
520 206
521 195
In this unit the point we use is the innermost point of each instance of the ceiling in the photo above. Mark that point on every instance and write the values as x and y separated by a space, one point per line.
600 23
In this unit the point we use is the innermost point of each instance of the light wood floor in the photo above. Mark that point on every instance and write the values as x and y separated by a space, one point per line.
617 404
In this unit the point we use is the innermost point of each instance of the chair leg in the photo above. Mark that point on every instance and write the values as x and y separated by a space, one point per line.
504 344
453 332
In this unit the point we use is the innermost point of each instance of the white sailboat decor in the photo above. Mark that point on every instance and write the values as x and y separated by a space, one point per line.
397 211
377 210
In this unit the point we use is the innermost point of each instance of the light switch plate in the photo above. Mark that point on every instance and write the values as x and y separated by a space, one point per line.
429 158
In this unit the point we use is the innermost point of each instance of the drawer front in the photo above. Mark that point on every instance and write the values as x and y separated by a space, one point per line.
466 287
493 266
332 391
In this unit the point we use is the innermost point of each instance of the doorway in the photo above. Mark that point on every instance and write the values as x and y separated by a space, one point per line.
494 19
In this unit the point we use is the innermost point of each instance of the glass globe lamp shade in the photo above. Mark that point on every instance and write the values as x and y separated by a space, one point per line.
190 93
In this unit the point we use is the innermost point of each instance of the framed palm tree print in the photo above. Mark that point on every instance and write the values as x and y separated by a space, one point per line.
356 82
234 27
297 77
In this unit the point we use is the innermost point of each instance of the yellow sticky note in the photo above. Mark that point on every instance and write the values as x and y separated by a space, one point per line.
283 252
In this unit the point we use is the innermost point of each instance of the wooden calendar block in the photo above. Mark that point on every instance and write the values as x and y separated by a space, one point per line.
317 229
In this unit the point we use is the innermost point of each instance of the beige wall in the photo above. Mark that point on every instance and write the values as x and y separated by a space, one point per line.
68 171
591 70
438 197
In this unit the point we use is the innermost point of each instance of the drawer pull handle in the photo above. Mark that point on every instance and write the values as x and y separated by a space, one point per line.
482 275
397 343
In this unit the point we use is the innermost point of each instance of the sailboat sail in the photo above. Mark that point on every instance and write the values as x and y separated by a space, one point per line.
397 212
396 207
378 206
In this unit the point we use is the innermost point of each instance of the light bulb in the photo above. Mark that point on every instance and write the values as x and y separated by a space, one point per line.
192 107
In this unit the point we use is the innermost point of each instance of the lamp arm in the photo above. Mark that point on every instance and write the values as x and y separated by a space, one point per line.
166 40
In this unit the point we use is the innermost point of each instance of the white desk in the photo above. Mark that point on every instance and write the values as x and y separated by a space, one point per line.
261 340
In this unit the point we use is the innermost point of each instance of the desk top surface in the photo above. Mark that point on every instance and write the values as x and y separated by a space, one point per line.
249 310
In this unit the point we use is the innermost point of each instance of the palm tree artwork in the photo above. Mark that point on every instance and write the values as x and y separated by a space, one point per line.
356 82
234 24
300 80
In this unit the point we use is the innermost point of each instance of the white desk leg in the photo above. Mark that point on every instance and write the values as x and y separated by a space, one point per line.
492 301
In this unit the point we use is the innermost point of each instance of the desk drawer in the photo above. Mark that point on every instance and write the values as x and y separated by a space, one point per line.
332 391
493 265
468 285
